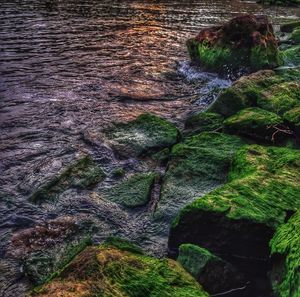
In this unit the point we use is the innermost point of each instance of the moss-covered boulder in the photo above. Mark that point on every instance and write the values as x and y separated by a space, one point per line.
112 272
244 92
213 273
255 123
291 56
262 188
290 26
203 122
295 36
133 192
196 166
280 98
238 220
82 173
285 248
146 134
246 41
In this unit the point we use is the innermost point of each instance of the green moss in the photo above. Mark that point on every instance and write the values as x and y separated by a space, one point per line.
253 122
244 92
295 36
194 258
81 174
263 185
203 121
290 26
291 56
144 135
280 98
286 243
293 118
132 192
196 165
123 245
110 272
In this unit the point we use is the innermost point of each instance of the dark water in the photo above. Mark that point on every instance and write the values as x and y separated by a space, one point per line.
69 68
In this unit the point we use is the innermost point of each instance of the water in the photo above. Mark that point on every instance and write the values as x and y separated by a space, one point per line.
68 69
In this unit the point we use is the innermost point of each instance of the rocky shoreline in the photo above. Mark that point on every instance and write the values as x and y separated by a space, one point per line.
241 158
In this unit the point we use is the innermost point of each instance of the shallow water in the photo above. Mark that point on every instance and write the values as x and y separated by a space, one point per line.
69 68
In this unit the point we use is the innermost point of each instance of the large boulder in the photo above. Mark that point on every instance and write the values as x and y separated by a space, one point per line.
246 42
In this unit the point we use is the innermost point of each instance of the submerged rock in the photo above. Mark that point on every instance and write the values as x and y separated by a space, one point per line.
133 192
112 271
285 249
246 41
213 273
147 133
83 173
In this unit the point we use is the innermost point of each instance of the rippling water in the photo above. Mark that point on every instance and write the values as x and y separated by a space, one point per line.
71 67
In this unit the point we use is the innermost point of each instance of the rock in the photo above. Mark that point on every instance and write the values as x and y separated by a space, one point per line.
203 121
83 173
255 123
246 41
285 249
133 192
244 92
107 270
213 273
237 220
280 98
197 165
148 133
290 26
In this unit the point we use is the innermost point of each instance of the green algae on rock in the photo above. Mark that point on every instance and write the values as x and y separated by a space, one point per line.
133 192
213 273
197 165
295 36
83 173
285 249
293 118
253 122
246 41
203 122
111 272
146 134
290 26
263 186
291 56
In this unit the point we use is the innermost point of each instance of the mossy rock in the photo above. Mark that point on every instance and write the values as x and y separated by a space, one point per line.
291 56
146 134
133 192
213 273
285 248
293 118
244 92
203 122
295 36
253 122
83 173
110 272
280 98
290 26
240 217
196 166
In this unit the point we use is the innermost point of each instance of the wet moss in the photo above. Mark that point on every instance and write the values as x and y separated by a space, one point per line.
82 173
202 122
253 122
280 98
286 244
196 165
295 36
122 244
292 56
146 134
244 92
293 118
290 26
263 186
108 271
133 192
